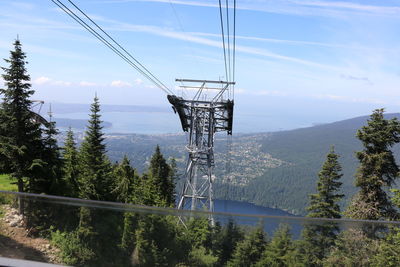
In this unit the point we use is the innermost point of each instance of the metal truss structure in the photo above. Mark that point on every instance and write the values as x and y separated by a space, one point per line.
208 112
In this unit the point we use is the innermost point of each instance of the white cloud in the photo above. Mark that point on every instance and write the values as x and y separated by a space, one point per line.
240 91
382 10
350 99
160 31
294 7
270 93
62 83
87 84
120 84
42 80
138 81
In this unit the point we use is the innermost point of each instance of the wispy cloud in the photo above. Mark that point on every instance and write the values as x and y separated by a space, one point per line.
350 99
87 84
294 7
355 78
43 80
379 10
169 33
120 84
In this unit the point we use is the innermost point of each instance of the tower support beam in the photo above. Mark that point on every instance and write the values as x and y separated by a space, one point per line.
201 117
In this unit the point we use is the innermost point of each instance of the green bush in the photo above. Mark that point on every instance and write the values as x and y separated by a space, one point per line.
72 250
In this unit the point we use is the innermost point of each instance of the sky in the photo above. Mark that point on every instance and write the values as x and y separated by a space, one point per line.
302 62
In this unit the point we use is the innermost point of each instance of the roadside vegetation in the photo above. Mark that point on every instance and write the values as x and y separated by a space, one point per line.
6 183
31 158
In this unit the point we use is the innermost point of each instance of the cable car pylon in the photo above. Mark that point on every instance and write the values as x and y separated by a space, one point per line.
202 116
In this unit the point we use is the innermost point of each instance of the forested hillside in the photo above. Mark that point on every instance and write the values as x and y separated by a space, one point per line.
304 150
270 169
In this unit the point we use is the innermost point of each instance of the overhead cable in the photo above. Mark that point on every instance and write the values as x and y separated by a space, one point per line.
223 38
124 54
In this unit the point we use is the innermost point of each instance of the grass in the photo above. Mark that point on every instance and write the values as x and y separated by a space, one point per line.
5 183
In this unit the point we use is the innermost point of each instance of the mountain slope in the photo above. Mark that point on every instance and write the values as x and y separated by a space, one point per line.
304 150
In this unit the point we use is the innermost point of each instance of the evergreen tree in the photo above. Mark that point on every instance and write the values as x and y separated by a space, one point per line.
124 191
378 169
70 165
228 239
318 238
325 203
95 182
20 135
248 252
277 253
389 247
95 169
125 181
161 175
50 180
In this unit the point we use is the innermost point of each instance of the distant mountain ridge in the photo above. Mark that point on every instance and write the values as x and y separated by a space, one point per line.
277 170
304 150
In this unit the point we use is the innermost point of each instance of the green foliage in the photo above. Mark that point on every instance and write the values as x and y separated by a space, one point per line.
20 135
50 176
201 258
318 238
125 178
70 165
6 184
95 181
388 252
227 240
377 170
199 232
278 252
325 203
353 248
72 250
249 251
161 176
158 242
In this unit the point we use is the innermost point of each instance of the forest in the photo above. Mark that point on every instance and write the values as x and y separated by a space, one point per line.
32 159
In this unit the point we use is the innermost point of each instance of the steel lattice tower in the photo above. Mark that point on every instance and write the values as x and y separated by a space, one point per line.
208 112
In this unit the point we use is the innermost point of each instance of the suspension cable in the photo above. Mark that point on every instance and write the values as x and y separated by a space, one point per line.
144 71
234 47
223 37
228 35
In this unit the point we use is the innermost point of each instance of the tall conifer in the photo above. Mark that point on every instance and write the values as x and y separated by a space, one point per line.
325 203
378 169
249 251
70 165
20 135
95 168
160 175
318 238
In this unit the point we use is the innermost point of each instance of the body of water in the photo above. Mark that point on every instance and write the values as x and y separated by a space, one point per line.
244 208
168 122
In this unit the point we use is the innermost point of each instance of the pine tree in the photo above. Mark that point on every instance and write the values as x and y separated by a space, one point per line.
124 191
160 175
378 169
50 180
20 135
325 203
70 165
277 253
228 239
95 169
95 182
248 252
318 238
125 181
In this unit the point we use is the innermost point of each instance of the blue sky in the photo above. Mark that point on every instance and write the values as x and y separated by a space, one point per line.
306 61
